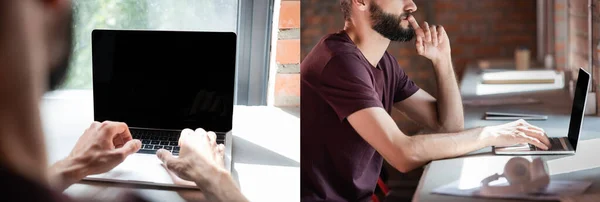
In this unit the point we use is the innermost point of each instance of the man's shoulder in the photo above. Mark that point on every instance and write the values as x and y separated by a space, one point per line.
332 45
339 44
332 51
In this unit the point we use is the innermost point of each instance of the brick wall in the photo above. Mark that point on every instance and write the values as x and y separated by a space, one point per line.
287 81
578 34
477 29
561 35
578 51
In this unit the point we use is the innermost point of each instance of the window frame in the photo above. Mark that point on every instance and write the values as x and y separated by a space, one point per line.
254 51
254 35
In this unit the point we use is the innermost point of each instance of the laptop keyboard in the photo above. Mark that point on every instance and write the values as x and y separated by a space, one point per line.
153 140
555 145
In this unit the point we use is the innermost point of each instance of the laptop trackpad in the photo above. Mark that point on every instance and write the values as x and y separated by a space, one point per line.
142 169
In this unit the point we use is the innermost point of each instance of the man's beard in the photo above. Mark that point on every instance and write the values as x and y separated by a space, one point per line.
60 69
388 25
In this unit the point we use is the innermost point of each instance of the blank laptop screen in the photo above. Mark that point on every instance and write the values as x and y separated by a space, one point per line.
579 100
164 79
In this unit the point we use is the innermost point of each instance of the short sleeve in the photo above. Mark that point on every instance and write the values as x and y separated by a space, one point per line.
404 86
347 85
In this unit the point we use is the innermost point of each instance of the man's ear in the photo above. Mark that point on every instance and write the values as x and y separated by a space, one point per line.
362 5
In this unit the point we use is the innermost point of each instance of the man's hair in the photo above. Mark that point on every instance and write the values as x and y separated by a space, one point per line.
346 7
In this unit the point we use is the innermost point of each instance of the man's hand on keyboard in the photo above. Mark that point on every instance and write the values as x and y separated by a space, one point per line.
201 161
516 132
200 158
102 147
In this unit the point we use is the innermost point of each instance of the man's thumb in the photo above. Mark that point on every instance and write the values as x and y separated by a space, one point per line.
130 147
167 158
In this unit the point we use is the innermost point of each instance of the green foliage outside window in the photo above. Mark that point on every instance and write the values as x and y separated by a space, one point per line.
196 15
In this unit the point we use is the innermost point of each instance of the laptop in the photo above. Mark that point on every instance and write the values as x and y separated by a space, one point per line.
560 145
158 83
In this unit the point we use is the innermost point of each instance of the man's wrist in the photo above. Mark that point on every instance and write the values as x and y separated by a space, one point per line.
212 181
444 61
220 186
485 136
65 172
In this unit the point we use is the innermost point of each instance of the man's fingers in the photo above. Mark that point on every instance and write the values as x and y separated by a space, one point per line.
434 35
212 137
128 148
168 159
183 135
533 141
200 131
532 127
535 134
418 31
220 155
522 122
118 142
112 129
427 32
441 34
419 44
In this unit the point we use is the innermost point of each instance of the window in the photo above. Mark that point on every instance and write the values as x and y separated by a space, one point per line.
189 15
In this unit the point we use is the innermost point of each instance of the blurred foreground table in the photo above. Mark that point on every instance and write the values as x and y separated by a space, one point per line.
265 162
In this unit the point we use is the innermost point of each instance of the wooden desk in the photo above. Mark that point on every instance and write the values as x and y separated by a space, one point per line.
266 150
585 165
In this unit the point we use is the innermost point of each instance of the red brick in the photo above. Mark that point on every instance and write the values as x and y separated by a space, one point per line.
407 52
469 17
559 47
486 51
578 7
403 62
578 24
508 27
289 15
458 49
463 39
288 51
452 28
287 85
441 6
515 39
558 5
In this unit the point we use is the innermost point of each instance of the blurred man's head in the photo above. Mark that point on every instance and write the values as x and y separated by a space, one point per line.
45 27
59 29
388 17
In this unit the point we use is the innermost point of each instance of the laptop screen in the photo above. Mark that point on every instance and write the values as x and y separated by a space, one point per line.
164 79
577 112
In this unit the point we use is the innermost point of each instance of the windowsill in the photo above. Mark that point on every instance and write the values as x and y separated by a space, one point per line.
69 94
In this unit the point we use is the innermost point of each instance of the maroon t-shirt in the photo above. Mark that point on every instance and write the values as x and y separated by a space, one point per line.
15 187
336 81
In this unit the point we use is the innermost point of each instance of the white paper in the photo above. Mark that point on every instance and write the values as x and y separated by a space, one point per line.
531 75
494 89
555 190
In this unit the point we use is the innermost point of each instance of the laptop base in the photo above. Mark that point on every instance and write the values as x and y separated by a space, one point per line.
147 169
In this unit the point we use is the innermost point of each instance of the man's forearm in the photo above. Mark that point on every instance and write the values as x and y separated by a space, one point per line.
221 187
449 103
426 148
419 150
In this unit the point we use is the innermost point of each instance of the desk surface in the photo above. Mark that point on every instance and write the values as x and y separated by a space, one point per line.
474 166
265 161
